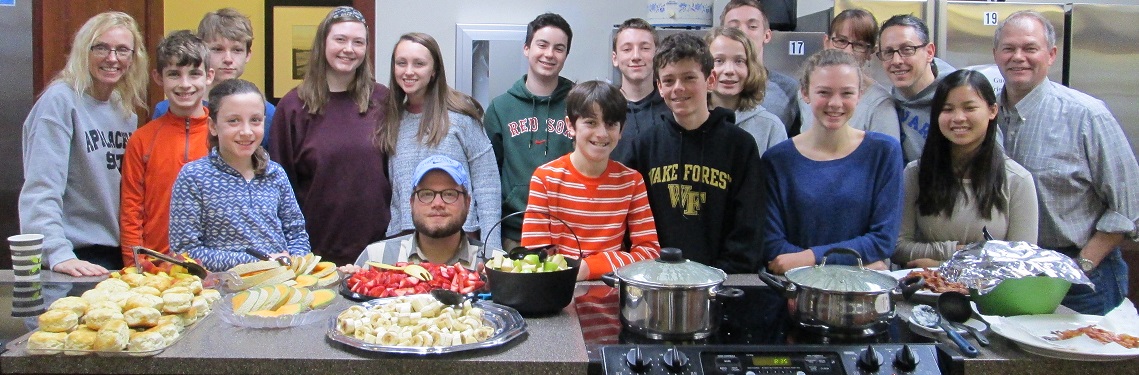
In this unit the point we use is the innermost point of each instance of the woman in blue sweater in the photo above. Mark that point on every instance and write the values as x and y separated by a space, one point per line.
832 186
235 198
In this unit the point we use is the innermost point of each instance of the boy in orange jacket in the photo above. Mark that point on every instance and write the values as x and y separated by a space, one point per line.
158 150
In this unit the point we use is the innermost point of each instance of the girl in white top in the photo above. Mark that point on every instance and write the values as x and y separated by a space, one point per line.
963 181
425 117
856 31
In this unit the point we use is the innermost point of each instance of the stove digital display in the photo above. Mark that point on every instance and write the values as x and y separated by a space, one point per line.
770 361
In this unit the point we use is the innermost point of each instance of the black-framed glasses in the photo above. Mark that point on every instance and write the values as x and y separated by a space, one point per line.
905 51
840 43
449 196
103 50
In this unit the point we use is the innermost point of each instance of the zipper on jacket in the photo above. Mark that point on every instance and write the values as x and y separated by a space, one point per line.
186 151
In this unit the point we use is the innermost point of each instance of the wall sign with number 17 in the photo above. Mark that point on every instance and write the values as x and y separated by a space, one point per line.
991 18
795 48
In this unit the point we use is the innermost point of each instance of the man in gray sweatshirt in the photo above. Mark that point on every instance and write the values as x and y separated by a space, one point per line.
907 53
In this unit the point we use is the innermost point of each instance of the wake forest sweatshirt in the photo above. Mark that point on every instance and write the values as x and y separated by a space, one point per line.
705 190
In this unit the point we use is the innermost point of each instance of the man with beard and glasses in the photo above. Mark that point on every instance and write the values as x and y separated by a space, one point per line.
440 201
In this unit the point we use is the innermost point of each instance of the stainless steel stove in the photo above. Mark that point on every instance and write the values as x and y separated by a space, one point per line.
756 337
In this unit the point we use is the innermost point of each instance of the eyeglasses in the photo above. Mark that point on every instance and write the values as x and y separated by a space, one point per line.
841 43
449 196
905 51
103 50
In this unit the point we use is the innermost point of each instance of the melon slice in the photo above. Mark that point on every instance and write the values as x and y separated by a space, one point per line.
322 298
323 269
248 269
328 280
239 300
306 281
310 263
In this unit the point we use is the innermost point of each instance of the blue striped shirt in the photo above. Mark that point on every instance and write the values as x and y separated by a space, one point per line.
1085 172
215 214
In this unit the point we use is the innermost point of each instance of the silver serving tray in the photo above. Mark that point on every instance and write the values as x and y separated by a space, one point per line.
507 324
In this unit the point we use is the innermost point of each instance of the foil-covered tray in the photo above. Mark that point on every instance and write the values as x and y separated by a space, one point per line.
506 322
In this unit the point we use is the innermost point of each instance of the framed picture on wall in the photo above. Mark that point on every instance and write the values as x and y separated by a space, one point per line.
291 26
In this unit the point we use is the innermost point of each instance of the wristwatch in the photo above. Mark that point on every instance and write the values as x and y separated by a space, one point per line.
1085 264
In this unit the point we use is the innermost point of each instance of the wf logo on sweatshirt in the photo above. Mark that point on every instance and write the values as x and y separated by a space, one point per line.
530 125
683 195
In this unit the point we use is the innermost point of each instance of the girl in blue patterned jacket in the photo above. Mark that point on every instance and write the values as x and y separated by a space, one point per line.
235 198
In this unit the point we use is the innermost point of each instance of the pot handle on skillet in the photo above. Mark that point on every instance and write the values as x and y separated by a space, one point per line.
787 289
729 293
910 285
610 279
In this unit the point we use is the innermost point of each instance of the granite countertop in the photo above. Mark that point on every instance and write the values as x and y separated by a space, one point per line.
553 345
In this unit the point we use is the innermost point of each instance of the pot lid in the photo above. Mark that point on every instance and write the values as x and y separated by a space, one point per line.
842 278
671 270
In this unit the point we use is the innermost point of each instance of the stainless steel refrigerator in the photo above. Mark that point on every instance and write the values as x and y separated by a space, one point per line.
965 38
788 50
1103 59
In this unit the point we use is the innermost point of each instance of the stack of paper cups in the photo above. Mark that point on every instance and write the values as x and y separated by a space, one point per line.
27 299
27 254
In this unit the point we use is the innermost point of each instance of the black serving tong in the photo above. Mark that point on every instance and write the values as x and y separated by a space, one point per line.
191 267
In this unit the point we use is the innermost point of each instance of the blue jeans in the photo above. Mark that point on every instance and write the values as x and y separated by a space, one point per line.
1110 279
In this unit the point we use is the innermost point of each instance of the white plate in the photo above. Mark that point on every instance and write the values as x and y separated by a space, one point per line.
933 332
1028 332
899 274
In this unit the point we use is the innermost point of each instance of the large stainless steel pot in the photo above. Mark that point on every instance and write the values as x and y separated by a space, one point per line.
840 299
671 298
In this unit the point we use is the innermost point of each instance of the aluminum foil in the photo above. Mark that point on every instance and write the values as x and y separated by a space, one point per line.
982 266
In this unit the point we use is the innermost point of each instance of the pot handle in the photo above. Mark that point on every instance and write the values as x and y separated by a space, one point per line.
911 285
730 293
610 279
785 288
843 250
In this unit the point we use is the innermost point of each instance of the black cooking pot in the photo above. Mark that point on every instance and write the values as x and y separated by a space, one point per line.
842 299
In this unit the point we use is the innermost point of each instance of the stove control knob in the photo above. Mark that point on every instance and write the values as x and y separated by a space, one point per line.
870 360
675 360
906 360
636 360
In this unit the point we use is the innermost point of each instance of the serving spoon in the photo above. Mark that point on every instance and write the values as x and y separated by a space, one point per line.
955 307
928 317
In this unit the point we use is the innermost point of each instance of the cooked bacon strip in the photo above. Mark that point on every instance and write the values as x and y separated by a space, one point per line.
937 283
1099 334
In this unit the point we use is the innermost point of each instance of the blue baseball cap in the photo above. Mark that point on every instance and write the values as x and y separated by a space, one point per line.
443 163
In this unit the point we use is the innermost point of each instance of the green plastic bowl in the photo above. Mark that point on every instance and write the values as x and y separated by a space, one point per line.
1024 296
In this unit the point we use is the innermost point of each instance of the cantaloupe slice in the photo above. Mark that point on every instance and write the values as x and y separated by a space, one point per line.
321 298
275 276
323 269
306 281
291 309
328 280
282 295
265 313
240 299
310 263
250 303
248 268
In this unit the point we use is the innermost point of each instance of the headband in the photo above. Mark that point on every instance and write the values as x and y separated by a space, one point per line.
347 12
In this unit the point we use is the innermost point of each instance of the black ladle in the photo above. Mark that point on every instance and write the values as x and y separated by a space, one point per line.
520 252
955 307
448 297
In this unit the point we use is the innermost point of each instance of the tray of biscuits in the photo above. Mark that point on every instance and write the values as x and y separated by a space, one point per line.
137 314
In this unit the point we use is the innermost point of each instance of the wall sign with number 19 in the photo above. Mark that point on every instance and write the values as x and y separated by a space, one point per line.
795 48
991 18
